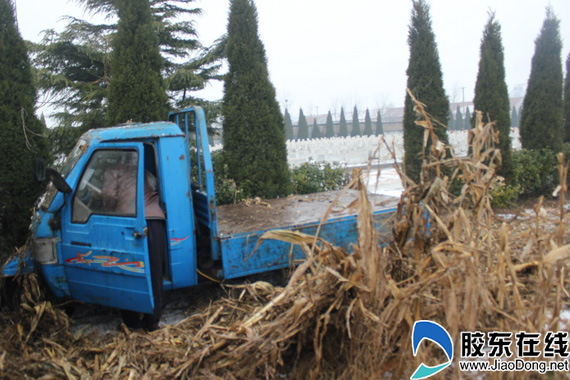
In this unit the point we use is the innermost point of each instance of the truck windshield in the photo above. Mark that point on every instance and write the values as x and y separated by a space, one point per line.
68 164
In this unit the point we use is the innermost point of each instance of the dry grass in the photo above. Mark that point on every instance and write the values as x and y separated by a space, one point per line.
340 315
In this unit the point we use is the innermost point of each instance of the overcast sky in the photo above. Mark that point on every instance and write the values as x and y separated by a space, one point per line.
324 54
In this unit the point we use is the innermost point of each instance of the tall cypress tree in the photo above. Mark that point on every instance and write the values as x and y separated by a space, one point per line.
343 127
379 125
254 131
136 91
514 117
21 140
368 124
491 93
567 100
467 120
459 122
289 126
450 121
355 123
330 126
542 124
316 132
302 126
425 81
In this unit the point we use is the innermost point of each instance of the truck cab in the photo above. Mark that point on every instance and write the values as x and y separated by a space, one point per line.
96 251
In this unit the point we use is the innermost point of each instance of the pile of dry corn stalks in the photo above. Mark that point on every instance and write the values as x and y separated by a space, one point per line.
340 316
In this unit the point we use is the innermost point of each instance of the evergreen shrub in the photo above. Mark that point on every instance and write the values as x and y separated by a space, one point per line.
314 177
534 172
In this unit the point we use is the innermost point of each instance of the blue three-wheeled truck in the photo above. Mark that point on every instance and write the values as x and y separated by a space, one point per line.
91 253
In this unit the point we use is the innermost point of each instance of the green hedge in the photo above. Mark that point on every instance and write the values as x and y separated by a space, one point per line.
307 178
535 173
313 177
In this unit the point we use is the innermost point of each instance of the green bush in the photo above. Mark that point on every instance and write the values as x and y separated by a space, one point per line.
534 172
503 195
310 177
227 192
313 177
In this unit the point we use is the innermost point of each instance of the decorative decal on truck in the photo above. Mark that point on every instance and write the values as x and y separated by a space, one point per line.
107 262
175 241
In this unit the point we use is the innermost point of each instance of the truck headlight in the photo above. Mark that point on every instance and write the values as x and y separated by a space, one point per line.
45 250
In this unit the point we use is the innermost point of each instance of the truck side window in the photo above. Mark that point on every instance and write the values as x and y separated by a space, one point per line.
108 186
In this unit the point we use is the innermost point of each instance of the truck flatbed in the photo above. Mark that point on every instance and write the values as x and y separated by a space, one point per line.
241 226
297 210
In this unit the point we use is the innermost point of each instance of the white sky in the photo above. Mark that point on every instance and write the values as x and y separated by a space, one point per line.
324 54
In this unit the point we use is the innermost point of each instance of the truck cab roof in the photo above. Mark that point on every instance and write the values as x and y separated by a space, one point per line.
132 131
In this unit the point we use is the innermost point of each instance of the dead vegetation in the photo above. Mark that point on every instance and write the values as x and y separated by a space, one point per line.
340 315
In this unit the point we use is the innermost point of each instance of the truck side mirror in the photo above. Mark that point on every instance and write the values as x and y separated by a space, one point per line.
58 180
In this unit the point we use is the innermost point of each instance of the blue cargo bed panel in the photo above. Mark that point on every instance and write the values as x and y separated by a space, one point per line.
241 226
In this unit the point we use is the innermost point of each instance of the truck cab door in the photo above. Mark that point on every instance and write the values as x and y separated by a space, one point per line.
104 242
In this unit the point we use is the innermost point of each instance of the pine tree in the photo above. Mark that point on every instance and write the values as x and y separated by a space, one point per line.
343 127
254 131
21 135
136 91
425 81
542 124
567 100
368 124
459 122
316 132
379 125
467 121
74 65
302 126
355 123
491 93
289 133
330 126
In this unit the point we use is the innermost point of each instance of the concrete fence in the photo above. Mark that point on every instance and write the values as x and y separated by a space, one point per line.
354 151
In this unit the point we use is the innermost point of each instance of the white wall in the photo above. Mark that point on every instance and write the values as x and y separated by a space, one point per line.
352 151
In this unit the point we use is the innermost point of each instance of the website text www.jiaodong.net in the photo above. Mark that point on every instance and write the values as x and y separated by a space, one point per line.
517 365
